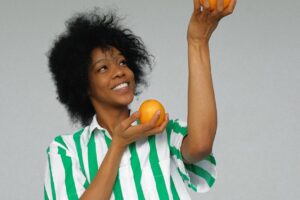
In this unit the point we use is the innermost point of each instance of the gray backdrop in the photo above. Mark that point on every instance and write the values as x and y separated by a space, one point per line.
255 66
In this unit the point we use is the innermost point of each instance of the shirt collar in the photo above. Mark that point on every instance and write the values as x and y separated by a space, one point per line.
93 127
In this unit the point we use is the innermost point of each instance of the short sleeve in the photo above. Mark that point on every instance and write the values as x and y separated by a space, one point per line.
63 177
199 176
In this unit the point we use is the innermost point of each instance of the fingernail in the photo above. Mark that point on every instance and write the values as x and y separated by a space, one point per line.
158 112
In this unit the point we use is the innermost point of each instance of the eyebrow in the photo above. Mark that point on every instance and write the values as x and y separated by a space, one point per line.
101 59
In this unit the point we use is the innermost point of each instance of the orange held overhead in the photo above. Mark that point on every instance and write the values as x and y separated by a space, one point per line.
148 109
213 3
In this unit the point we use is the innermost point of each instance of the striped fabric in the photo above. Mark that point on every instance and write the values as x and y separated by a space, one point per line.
151 168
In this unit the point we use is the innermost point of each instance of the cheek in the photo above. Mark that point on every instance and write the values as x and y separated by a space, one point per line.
133 80
131 74
96 86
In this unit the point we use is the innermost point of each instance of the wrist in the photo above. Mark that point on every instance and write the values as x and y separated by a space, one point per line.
118 145
198 48
197 43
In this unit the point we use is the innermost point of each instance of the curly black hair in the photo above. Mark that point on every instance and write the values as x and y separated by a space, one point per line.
70 58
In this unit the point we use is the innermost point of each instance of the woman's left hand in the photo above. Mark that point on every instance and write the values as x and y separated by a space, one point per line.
204 20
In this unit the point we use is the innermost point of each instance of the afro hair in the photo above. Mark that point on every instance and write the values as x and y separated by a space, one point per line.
70 58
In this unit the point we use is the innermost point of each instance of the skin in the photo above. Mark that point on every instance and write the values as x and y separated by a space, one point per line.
107 70
202 112
112 109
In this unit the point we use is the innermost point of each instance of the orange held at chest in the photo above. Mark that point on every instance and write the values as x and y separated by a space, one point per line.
148 109
213 3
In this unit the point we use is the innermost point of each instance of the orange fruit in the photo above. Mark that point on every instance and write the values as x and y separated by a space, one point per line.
213 3
148 109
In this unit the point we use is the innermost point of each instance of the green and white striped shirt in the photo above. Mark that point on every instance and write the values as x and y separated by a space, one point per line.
151 168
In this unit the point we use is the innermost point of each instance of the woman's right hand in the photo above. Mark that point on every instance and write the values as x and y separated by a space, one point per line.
124 134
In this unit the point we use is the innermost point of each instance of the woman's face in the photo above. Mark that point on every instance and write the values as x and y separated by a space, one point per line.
111 81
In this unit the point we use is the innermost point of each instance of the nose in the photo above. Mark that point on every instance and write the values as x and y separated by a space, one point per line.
118 71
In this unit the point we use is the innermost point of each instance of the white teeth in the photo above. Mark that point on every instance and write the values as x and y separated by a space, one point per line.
122 85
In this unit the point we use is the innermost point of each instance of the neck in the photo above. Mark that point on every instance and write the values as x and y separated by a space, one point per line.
109 118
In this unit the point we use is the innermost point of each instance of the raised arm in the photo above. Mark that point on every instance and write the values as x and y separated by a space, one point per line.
202 111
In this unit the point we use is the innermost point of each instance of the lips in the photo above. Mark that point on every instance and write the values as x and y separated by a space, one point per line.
121 85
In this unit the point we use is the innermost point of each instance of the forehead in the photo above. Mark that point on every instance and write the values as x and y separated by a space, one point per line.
99 53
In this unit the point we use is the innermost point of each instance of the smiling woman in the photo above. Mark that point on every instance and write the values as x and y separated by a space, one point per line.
74 55
97 67
111 81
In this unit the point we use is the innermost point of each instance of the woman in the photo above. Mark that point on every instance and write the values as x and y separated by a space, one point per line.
98 67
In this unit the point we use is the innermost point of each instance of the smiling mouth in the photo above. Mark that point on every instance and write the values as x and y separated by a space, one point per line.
121 86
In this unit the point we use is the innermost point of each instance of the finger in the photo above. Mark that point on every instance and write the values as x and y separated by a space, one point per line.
141 128
163 125
196 5
152 123
132 118
232 4
230 7
220 5
159 129
206 7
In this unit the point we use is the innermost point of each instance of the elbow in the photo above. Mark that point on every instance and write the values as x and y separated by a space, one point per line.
204 151
195 151
200 153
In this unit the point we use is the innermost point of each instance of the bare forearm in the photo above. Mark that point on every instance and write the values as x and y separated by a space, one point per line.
102 185
202 112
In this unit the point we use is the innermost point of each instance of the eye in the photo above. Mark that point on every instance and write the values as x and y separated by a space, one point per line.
102 68
123 62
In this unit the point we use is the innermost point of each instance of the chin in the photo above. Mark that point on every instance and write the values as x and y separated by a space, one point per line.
126 100
130 100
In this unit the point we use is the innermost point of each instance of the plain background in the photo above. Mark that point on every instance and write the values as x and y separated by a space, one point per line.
255 66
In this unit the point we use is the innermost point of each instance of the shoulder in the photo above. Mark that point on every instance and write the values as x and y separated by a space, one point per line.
177 125
66 143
